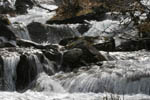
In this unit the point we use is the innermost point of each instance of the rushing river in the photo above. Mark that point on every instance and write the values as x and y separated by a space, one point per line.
125 77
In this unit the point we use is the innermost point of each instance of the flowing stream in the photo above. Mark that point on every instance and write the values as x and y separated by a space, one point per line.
27 74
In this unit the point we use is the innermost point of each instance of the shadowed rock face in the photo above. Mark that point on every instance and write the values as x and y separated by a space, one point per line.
23 5
6 29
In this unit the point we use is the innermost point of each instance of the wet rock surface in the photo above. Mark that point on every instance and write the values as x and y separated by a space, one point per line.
75 57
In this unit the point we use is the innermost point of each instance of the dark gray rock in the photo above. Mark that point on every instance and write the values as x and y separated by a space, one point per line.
80 52
72 59
38 32
23 5
72 55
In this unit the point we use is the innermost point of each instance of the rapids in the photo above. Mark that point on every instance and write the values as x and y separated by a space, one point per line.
33 74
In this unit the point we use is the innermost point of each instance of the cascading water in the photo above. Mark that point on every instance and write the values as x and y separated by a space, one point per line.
50 33
120 76
36 74
9 75
59 32
21 31
46 84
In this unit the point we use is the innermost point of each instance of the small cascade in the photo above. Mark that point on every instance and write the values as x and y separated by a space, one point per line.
21 31
48 66
59 32
9 67
50 33
46 84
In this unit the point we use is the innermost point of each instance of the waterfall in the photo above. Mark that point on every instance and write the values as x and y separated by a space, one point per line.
21 31
9 67
51 33
59 32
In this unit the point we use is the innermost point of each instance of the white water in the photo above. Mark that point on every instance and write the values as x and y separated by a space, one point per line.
35 15
103 28
129 73
21 31
30 95
10 64
58 32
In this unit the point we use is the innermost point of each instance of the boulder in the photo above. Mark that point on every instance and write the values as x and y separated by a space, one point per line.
80 52
38 32
72 59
